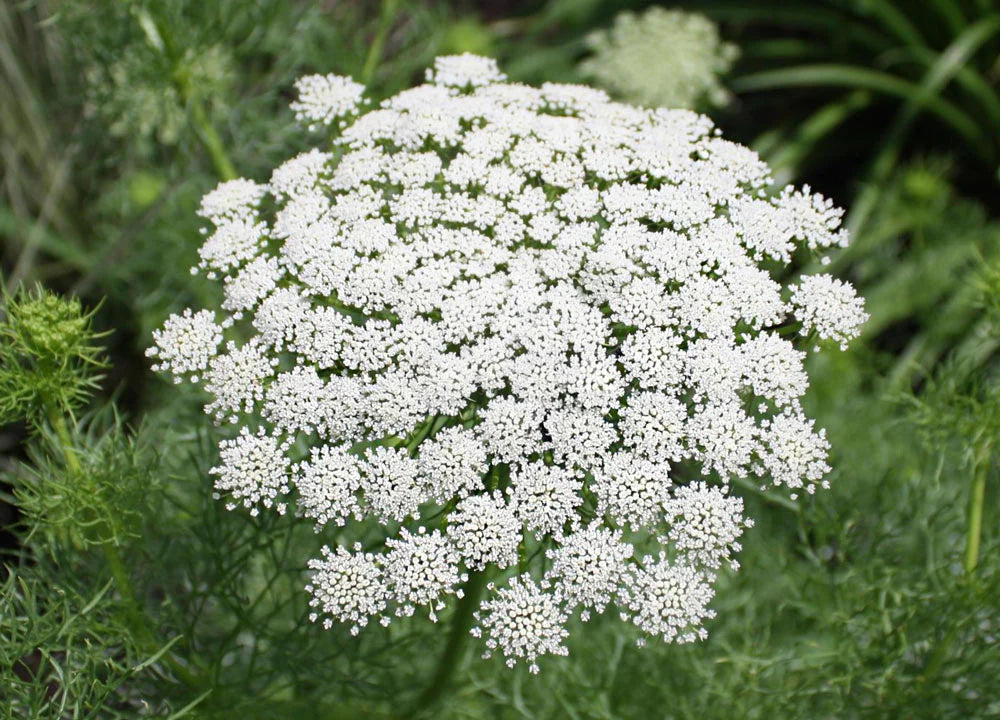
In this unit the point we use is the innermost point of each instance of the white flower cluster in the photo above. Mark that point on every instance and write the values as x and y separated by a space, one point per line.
538 331
324 98
185 344
830 307
666 58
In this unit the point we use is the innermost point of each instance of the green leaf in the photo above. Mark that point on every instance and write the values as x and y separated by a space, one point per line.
895 21
807 17
834 75
938 75
954 58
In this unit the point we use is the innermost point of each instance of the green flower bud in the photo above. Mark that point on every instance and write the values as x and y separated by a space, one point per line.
48 360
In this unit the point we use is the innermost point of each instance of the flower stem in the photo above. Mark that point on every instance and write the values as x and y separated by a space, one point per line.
62 432
461 623
113 558
161 39
773 498
204 129
212 143
110 550
972 540
386 14
976 499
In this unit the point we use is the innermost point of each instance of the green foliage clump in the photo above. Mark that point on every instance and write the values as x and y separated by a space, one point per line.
135 102
875 81
94 491
63 654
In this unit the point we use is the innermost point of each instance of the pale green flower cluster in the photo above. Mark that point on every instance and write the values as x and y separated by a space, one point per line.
664 58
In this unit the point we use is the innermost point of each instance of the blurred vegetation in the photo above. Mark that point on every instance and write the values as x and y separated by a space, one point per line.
127 591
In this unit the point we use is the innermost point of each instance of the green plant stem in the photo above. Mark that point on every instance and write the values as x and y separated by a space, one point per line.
975 530
972 540
213 144
62 432
160 38
386 14
111 554
113 558
773 498
936 661
429 427
461 623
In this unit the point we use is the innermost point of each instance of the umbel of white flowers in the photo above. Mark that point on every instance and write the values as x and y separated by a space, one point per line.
538 331
668 58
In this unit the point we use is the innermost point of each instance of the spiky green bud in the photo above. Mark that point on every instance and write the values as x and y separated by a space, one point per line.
49 359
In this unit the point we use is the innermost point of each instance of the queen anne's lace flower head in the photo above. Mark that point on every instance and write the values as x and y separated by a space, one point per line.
590 566
485 530
670 58
254 470
421 568
704 524
531 331
328 484
232 199
348 587
465 71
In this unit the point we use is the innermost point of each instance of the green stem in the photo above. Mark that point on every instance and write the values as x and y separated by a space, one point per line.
461 623
120 575
111 554
159 36
133 611
62 432
212 142
936 661
428 429
385 17
975 530
773 498
972 540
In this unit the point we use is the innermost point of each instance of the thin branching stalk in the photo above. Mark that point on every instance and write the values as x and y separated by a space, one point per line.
113 558
213 144
160 38
461 623
386 15
972 541
975 513
110 550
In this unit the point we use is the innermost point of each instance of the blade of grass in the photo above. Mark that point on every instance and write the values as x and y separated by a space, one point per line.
190 706
937 77
52 243
387 13
811 17
951 12
835 75
974 83
895 21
